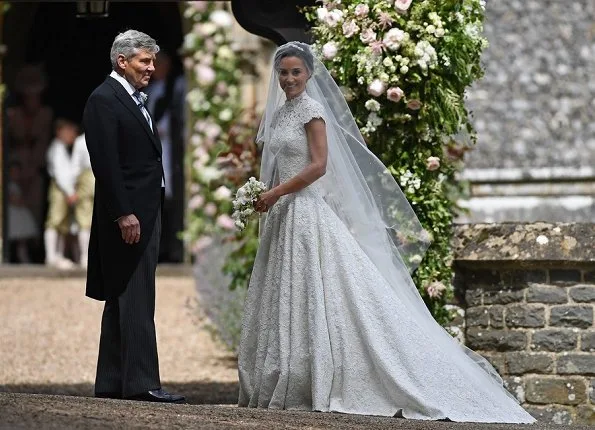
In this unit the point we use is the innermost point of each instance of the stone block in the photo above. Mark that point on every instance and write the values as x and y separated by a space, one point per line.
551 414
515 386
585 414
497 360
554 340
529 362
496 340
525 316
496 316
565 276
583 293
474 297
503 297
481 278
576 364
588 341
561 390
572 316
477 316
547 294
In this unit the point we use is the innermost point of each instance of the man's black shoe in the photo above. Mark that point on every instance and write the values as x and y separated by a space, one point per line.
158 396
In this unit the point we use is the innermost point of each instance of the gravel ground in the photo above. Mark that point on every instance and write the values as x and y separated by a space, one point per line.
49 335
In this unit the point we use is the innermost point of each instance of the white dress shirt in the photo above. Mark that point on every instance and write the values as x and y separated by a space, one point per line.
59 166
130 89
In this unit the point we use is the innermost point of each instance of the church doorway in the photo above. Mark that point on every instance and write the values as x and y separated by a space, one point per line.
65 58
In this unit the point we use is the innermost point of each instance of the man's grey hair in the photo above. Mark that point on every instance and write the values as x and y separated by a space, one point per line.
129 44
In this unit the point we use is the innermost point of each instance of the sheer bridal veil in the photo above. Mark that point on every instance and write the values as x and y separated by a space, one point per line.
366 198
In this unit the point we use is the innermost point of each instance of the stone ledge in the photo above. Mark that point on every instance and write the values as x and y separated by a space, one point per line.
552 244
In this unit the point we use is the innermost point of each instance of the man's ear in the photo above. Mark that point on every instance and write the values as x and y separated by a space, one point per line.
121 61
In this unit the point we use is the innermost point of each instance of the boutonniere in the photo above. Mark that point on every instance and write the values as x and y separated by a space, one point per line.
143 97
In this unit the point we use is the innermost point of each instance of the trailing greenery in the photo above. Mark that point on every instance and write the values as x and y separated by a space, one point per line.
404 67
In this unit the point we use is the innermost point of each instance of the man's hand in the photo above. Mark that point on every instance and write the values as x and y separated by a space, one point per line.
72 199
130 228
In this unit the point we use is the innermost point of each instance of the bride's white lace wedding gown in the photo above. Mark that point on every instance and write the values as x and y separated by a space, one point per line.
320 332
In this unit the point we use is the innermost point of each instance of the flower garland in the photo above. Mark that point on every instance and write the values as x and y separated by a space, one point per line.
404 66
222 156
214 103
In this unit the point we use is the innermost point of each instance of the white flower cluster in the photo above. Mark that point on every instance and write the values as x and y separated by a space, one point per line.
426 55
409 182
243 204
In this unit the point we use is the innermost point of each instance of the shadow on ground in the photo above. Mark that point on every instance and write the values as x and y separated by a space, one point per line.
197 393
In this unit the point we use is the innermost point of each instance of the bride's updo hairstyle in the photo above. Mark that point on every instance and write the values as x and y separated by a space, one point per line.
295 49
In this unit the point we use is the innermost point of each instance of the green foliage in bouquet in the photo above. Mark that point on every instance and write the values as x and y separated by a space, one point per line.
404 67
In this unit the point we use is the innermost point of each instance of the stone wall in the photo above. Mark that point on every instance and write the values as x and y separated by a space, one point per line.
529 296
534 112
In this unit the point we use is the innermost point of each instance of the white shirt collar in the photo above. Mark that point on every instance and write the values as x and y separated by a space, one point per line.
127 86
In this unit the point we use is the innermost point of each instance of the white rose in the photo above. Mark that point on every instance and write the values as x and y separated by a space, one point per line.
321 13
225 114
404 70
393 38
221 18
402 5
333 17
329 50
376 87
222 193
372 105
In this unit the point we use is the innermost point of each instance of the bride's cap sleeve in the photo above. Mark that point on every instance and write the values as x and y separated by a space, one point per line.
312 110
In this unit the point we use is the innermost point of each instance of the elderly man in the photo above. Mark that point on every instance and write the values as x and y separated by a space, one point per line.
125 154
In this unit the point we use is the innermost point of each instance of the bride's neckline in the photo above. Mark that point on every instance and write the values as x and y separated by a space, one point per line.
292 101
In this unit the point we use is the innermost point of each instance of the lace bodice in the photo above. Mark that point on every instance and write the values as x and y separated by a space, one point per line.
288 139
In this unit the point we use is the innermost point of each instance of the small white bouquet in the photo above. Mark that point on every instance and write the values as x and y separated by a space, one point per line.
243 204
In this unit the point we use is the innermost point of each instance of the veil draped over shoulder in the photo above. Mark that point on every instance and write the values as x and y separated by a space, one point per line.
364 195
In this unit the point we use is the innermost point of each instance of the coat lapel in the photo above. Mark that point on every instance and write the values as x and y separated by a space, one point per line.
127 101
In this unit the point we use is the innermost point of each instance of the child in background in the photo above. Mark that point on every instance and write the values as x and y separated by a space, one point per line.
61 194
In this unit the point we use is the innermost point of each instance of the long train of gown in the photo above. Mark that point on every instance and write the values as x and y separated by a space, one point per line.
322 331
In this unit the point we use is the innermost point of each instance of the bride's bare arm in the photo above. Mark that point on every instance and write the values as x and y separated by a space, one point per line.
316 136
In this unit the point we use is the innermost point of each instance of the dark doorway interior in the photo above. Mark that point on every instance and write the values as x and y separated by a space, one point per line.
74 53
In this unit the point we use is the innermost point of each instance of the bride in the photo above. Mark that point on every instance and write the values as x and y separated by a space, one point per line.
332 320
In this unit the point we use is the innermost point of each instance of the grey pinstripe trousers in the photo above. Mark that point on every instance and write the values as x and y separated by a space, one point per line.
128 362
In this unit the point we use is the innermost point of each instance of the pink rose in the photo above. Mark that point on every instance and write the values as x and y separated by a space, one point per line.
226 222
350 28
368 36
376 87
402 5
432 163
205 74
435 289
329 50
394 94
198 6
361 10
210 209
196 201
414 104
